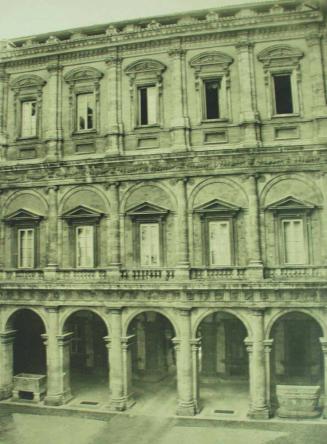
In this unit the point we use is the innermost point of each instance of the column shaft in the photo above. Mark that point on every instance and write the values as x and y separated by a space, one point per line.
254 244
185 377
58 361
53 132
3 97
179 120
114 226
257 366
317 74
118 400
182 222
323 342
6 363
52 240
114 130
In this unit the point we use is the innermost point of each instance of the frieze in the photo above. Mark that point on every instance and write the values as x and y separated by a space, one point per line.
192 163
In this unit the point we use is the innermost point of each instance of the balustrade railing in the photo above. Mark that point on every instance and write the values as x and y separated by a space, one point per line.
23 275
299 271
218 273
147 274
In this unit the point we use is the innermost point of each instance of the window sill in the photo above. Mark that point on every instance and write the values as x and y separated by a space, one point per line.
283 116
84 133
27 139
221 120
145 127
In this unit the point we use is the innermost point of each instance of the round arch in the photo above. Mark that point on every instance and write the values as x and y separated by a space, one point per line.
197 189
69 193
299 177
10 317
19 193
127 322
211 311
74 310
127 193
285 312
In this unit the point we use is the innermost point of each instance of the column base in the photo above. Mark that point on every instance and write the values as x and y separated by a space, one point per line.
182 272
58 399
255 270
121 404
186 409
5 392
259 413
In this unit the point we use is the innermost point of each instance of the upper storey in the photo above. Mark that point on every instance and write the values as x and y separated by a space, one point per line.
239 77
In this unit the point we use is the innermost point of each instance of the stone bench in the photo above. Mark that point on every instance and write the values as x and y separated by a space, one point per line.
29 386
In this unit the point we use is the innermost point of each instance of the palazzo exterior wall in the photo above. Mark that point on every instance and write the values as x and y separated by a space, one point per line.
250 165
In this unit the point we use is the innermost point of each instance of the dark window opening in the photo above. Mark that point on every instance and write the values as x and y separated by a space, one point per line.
212 99
283 94
26 395
143 106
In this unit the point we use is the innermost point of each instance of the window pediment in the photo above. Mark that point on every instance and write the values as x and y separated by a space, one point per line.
218 61
280 55
28 82
147 209
22 215
215 207
144 67
88 74
82 213
291 204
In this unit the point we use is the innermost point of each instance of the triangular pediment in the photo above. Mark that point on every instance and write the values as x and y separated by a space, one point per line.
82 212
147 208
23 215
217 206
290 203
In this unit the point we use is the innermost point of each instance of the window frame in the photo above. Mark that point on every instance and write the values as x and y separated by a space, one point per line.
76 227
85 130
205 117
137 227
282 217
206 219
294 93
22 102
139 123
18 229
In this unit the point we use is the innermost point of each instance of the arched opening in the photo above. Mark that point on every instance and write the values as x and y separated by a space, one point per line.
29 355
296 361
153 361
89 367
223 366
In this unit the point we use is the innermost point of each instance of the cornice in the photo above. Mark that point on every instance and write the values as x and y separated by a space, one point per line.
86 46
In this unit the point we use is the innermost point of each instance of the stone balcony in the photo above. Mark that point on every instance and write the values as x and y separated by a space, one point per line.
295 273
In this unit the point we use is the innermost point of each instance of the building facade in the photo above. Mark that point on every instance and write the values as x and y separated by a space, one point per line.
163 199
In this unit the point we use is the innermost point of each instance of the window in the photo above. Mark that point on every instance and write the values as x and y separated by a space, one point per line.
28 128
149 244
26 248
147 105
84 246
283 94
294 243
211 91
85 112
219 242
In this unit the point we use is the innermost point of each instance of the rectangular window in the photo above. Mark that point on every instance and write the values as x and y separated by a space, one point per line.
148 105
219 243
294 244
149 244
211 88
26 248
283 94
85 111
28 119
85 246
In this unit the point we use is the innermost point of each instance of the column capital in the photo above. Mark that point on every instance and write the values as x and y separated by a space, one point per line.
244 44
6 337
113 61
52 309
313 38
64 339
184 311
323 342
268 343
248 344
258 311
127 341
114 310
52 189
113 185
177 52
54 68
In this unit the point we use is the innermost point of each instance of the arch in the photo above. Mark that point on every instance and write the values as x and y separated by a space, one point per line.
277 53
69 193
75 310
131 316
18 194
83 73
10 317
197 189
210 311
145 65
127 193
274 319
301 178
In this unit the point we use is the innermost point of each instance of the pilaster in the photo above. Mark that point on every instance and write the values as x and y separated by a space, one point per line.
114 131
3 119
127 342
113 253
53 134
183 264
52 232
255 265
179 125
249 118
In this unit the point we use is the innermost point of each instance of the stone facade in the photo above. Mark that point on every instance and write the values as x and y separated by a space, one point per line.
252 167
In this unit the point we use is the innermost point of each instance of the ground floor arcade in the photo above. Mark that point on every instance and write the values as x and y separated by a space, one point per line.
211 360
